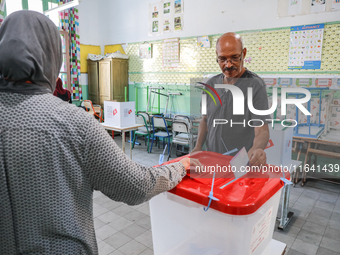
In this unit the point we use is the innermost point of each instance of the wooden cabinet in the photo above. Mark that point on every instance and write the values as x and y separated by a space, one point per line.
108 79
93 80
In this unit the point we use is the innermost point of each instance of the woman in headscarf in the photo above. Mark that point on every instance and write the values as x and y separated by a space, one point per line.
62 93
53 155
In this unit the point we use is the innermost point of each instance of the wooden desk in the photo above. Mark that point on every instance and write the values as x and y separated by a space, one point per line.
123 130
312 150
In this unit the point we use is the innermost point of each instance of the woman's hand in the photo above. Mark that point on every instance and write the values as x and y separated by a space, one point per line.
190 163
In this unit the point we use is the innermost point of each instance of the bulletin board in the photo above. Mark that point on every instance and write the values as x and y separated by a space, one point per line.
267 53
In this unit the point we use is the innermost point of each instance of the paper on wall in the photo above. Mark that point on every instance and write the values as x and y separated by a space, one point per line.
318 6
336 5
203 41
294 7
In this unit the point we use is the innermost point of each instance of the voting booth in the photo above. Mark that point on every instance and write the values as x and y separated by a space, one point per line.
279 147
119 114
240 221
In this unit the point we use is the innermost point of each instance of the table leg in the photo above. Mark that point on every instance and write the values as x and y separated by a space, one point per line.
304 172
123 142
131 141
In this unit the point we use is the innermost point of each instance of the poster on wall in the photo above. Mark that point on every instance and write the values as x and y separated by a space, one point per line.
178 23
145 51
203 41
305 47
166 16
171 52
318 6
178 6
336 5
294 7
154 18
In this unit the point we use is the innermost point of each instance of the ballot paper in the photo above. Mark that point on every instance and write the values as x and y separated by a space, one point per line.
239 162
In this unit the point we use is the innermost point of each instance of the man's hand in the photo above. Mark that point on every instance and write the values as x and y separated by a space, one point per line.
257 157
196 149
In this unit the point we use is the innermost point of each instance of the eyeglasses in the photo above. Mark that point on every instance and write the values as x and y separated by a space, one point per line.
233 60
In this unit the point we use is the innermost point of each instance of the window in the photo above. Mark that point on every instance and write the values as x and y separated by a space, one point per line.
55 15
13 6
35 5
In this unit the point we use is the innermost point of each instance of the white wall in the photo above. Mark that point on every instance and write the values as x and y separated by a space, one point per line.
89 22
121 21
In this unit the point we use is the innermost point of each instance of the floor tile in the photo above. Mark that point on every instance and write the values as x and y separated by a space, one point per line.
133 247
134 215
98 210
335 216
304 247
147 252
133 231
317 218
116 252
315 228
324 205
123 210
144 222
310 237
104 248
321 212
288 240
118 240
334 224
291 230
145 238
328 197
120 223
330 244
108 217
324 251
98 223
297 222
332 234
105 232
294 252
111 204
144 209
306 200
101 199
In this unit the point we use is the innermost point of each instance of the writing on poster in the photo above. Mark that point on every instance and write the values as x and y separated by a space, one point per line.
305 47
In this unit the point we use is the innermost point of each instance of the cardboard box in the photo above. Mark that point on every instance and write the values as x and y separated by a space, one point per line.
119 114
279 148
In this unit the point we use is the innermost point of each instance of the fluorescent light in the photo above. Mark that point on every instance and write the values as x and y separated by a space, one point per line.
63 7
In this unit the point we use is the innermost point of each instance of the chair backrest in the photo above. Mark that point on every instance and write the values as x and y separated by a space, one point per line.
146 116
183 118
179 126
94 110
159 122
89 106
140 119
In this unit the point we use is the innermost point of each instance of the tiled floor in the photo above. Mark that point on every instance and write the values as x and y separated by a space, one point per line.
314 229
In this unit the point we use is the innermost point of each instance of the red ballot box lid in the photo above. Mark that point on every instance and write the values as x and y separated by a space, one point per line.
241 197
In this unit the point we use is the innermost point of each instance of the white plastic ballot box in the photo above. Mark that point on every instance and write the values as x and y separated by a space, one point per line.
119 114
279 147
240 222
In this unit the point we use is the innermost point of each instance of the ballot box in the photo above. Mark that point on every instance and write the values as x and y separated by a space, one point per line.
240 221
119 114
